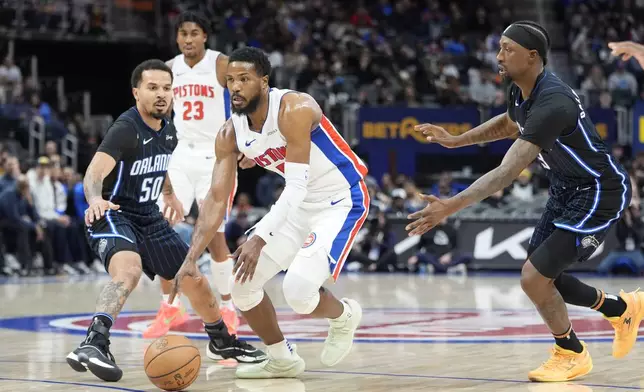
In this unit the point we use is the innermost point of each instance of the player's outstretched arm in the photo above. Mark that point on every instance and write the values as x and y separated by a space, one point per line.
518 157
627 50
214 207
496 128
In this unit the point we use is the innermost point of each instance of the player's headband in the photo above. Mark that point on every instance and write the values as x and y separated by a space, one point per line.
530 37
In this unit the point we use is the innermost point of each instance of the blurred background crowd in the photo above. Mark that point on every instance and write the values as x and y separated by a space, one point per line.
347 54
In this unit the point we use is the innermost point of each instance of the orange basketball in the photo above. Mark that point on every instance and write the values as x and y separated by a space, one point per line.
172 362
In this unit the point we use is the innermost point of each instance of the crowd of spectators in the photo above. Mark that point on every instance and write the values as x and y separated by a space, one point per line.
410 52
590 25
386 52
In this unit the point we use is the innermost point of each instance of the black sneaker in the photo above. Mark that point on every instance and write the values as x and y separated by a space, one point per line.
231 347
94 354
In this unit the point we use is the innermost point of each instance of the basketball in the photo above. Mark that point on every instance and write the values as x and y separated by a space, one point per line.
172 362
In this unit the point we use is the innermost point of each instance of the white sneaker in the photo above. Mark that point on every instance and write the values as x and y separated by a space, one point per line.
339 341
82 267
98 267
273 368
69 270
12 262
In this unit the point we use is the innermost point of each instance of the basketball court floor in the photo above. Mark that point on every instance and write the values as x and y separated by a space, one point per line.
419 333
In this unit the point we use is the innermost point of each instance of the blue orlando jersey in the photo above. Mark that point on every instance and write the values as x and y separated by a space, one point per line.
553 118
142 156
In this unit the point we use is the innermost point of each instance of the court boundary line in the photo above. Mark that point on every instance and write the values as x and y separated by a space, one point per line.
193 335
80 384
341 372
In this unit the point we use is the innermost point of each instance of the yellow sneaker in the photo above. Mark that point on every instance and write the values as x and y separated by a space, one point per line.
627 325
563 365
167 317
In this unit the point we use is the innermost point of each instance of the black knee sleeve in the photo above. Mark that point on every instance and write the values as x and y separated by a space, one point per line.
575 292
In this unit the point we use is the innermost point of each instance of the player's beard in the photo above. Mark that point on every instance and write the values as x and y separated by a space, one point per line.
158 115
249 108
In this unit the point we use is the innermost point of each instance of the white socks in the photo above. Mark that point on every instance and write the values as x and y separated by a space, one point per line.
281 350
176 303
221 274
227 304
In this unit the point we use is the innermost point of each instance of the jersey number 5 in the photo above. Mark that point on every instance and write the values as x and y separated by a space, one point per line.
192 110
150 189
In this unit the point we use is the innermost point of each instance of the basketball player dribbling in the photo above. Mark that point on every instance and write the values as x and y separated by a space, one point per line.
310 228
127 231
201 106
589 191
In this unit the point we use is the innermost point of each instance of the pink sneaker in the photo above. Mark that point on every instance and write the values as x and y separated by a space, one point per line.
168 317
230 319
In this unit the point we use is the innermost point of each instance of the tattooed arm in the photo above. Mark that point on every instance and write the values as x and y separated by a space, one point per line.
100 167
496 128
521 154
518 157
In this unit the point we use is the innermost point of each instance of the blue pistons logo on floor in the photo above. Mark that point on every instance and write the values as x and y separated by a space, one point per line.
309 240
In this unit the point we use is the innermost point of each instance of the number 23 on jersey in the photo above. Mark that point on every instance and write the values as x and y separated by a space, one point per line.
192 110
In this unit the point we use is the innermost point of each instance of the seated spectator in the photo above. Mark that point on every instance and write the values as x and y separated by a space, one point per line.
595 84
373 249
21 226
497 200
76 229
236 230
522 189
438 251
398 207
11 78
44 196
11 173
265 189
622 85
414 202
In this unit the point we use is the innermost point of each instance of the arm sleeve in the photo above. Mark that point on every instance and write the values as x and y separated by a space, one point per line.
550 117
120 138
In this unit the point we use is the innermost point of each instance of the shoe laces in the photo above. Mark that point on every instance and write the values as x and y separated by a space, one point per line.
236 342
557 360
337 331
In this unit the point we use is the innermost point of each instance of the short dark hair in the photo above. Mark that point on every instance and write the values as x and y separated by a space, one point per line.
148 65
255 56
194 17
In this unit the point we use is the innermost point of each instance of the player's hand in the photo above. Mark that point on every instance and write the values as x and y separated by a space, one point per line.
430 216
246 257
172 209
438 135
627 49
97 209
245 162
188 269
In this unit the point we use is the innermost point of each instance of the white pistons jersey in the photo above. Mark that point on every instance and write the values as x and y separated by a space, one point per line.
201 103
334 167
